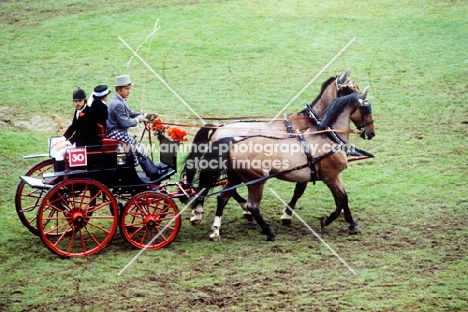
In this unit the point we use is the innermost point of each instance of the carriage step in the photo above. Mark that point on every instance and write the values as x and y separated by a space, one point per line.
35 183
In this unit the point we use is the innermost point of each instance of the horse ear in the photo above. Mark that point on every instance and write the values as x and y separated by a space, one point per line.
344 77
365 92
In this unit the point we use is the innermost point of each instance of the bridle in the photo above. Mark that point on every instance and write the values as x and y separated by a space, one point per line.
347 84
366 109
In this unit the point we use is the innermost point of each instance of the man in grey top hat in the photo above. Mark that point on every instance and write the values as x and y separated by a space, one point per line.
120 118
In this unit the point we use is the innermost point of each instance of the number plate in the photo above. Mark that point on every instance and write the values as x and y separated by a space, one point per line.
77 157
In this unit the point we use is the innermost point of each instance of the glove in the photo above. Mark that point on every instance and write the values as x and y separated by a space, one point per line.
150 116
141 118
61 145
60 140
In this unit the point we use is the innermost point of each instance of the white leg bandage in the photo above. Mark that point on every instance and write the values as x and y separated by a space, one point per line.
285 216
216 225
197 213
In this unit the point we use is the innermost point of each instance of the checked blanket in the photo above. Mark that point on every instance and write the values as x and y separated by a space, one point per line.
124 136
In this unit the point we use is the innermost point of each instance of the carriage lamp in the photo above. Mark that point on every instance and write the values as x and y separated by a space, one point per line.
121 155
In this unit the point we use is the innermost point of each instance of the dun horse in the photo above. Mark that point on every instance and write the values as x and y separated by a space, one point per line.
312 155
332 88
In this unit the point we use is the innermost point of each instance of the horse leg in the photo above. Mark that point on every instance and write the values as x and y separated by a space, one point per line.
215 236
243 203
287 212
197 214
255 196
341 201
223 199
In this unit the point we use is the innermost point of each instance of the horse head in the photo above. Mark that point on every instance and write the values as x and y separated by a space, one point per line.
362 117
333 88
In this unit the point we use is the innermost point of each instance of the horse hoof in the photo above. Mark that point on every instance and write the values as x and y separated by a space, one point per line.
195 222
323 222
249 217
271 238
214 238
354 230
286 222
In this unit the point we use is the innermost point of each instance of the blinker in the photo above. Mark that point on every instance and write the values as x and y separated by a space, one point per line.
366 109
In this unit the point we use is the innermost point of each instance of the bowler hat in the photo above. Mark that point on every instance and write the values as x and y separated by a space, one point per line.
79 94
101 91
122 81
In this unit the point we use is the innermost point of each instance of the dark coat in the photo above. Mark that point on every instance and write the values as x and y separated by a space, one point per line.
83 131
100 109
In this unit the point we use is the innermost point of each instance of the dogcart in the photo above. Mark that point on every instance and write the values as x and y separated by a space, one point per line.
76 212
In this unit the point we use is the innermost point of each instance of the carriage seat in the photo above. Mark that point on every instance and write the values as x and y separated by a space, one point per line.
102 131
110 145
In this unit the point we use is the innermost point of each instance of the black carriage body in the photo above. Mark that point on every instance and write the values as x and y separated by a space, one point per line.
102 164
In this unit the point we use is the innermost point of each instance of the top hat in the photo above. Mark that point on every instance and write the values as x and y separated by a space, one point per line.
122 81
100 91
79 94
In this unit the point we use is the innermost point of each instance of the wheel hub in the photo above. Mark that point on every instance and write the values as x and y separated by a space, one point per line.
151 221
77 217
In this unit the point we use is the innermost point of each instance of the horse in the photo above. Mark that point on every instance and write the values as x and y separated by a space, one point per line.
333 87
318 155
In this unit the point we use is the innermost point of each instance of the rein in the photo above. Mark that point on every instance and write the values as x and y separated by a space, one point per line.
258 130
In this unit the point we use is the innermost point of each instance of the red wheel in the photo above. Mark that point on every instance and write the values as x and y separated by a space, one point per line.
28 198
150 220
77 217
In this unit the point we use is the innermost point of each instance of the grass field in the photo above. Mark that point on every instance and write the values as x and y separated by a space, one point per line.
250 58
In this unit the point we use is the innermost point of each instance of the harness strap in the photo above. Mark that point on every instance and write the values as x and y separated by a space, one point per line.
310 158
311 114
289 127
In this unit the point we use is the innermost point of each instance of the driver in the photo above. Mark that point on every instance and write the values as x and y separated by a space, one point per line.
121 118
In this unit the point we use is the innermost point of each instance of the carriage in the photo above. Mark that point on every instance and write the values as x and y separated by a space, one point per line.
76 212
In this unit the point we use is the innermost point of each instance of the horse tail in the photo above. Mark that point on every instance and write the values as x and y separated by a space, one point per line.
216 161
202 136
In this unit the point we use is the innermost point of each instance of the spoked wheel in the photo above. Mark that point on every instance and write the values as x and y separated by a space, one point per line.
150 220
77 217
27 199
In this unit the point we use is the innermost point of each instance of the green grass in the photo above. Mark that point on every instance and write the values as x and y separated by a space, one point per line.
240 58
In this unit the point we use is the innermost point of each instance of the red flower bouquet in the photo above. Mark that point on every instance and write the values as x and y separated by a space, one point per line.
157 126
177 135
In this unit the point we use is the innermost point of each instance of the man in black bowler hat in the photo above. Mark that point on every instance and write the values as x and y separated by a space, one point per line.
82 131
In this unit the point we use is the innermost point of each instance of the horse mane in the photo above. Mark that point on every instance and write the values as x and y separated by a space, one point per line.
336 107
324 87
